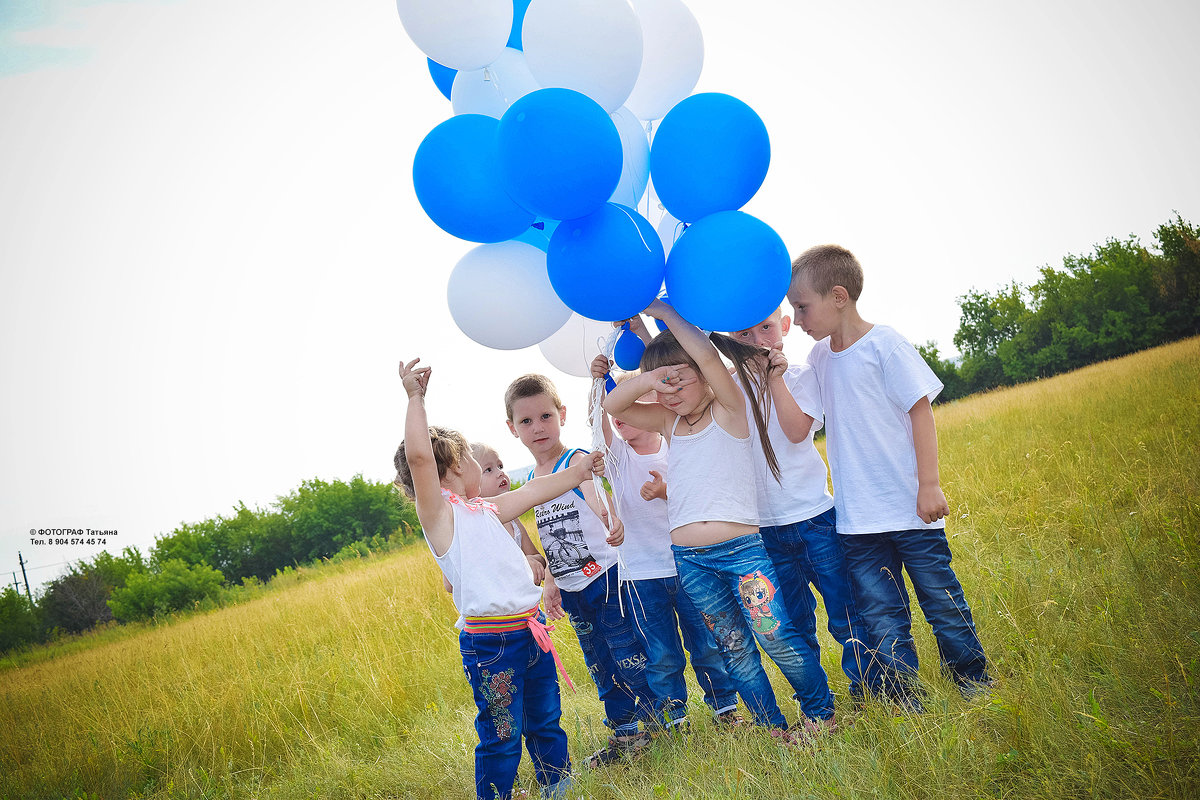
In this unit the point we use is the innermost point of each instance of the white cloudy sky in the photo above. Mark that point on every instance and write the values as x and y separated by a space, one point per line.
211 256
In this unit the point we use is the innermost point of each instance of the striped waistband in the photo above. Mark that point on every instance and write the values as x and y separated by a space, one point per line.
509 622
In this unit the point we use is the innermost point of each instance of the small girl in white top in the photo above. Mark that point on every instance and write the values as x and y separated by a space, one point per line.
711 508
505 648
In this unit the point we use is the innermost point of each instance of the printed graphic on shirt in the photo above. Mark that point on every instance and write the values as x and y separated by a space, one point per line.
562 538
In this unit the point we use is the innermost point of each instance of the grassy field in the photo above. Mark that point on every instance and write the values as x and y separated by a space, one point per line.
1076 509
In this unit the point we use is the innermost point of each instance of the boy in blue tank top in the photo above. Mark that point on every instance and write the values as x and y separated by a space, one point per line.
579 540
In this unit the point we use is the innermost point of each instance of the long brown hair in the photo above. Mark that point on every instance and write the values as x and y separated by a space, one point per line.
749 362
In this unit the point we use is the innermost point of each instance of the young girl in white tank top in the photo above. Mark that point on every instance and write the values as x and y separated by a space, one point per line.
722 563
507 655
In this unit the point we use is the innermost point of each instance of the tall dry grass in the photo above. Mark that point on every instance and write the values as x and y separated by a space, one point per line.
1075 524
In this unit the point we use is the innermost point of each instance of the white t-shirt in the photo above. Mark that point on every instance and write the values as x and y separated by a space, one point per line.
801 492
646 552
868 390
573 537
490 574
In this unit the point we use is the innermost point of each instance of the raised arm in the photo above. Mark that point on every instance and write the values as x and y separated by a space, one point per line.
795 423
931 501
622 402
511 505
433 512
706 356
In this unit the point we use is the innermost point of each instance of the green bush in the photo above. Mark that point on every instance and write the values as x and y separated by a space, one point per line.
176 585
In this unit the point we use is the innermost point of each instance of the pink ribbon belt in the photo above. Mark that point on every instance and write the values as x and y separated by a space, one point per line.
514 622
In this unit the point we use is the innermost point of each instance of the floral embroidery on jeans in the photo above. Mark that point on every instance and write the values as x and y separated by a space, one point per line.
497 689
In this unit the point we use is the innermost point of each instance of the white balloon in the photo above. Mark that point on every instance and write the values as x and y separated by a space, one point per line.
635 159
500 296
575 345
491 90
673 56
591 46
460 34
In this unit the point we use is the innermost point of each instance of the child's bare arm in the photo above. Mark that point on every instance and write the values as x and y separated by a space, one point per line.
616 528
795 423
622 402
433 512
706 356
537 561
931 501
511 505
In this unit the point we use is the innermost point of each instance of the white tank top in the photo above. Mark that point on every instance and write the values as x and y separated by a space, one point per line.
712 478
489 572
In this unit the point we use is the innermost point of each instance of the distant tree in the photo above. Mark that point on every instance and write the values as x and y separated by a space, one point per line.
325 517
75 602
1178 277
172 585
18 620
946 372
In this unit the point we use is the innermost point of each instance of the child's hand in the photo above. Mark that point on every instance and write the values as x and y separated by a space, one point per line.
415 379
539 569
931 503
668 380
656 488
552 599
777 362
590 464
617 534
600 366
656 309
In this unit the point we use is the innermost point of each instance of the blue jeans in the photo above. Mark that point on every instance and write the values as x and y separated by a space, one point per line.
614 656
809 552
516 694
875 561
733 585
661 611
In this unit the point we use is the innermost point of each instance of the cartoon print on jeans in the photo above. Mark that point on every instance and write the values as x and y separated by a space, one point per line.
756 592
728 637
497 689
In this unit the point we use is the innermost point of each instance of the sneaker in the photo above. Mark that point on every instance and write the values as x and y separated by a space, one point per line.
730 720
806 732
618 749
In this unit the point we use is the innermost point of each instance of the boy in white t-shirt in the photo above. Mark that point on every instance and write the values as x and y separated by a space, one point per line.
650 581
882 446
796 513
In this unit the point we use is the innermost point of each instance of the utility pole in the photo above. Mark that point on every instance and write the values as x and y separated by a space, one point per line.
16 586
21 561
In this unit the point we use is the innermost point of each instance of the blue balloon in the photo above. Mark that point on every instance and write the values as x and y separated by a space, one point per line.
628 350
458 183
710 154
609 383
538 234
514 36
608 265
729 271
443 77
560 154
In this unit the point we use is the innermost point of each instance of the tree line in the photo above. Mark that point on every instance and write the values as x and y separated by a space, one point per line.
210 563
1121 298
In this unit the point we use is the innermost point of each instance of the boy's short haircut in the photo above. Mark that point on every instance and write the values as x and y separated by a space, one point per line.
827 266
529 386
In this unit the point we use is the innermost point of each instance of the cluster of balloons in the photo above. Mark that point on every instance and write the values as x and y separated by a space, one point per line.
564 110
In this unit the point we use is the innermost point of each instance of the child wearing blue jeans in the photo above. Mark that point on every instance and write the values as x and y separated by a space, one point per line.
796 513
506 651
650 581
719 553
882 445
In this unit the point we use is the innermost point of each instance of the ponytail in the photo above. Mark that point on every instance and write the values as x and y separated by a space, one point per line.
750 365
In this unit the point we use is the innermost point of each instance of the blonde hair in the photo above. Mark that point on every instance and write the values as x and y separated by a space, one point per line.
529 386
665 350
449 447
827 266
480 451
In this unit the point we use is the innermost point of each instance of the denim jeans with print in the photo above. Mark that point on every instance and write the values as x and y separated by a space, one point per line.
516 694
733 584
810 552
613 654
661 612
875 561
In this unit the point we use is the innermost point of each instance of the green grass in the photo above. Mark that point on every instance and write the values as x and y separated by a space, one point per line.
1076 508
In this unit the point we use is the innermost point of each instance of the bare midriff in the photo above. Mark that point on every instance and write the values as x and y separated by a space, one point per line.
700 534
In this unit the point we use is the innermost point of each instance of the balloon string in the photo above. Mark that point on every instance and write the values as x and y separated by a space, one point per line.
596 423
637 228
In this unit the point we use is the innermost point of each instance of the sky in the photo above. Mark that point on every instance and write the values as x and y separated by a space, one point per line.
212 258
